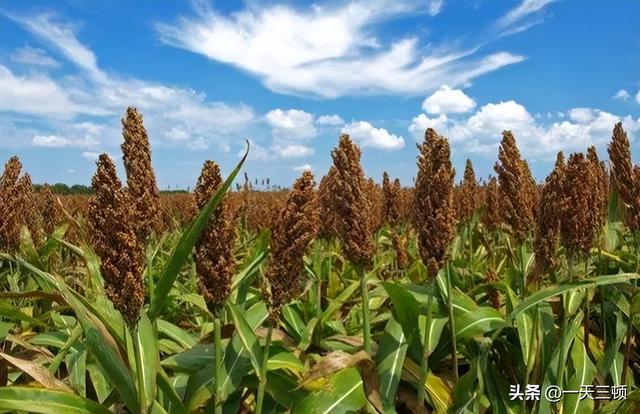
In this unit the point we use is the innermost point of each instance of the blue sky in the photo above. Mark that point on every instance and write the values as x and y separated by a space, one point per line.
291 76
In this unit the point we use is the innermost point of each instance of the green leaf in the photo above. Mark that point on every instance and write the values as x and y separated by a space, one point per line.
43 401
281 359
344 394
191 360
405 309
179 335
551 291
145 347
183 248
247 336
111 362
390 360
479 322
584 374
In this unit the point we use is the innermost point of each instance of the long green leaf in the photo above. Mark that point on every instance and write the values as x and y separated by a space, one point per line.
117 372
390 358
183 248
551 291
43 401
247 336
145 346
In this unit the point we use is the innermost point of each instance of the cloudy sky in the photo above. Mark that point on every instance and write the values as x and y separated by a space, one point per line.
291 76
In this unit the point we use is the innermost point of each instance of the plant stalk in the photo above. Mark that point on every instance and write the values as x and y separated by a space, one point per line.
627 346
563 328
454 345
217 328
426 347
263 371
366 323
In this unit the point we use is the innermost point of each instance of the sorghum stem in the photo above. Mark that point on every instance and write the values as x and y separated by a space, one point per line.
366 328
454 346
217 328
426 347
263 371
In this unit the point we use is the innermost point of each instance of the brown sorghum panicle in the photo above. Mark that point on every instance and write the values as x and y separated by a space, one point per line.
399 243
434 217
326 194
392 196
141 179
580 223
214 249
467 194
518 190
28 208
603 182
293 232
112 221
10 220
376 202
624 178
548 219
351 204
492 214
49 210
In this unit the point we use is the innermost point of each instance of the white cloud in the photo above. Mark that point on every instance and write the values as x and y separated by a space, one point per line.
328 51
291 151
35 94
34 56
91 155
71 171
638 97
622 94
498 117
434 7
53 141
291 124
420 124
62 37
330 120
303 168
173 115
481 132
524 9
366 135
446 100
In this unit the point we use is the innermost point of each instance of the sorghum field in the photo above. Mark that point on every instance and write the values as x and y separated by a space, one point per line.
338 295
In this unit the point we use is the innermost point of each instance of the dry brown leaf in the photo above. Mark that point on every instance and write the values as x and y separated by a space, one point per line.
38 373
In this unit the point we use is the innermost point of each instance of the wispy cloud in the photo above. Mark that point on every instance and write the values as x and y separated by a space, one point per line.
328 51
33 56
174 115
523 10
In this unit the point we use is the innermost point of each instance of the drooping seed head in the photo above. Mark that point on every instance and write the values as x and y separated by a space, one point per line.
296 227
112 220
214 258
141 179
434 217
